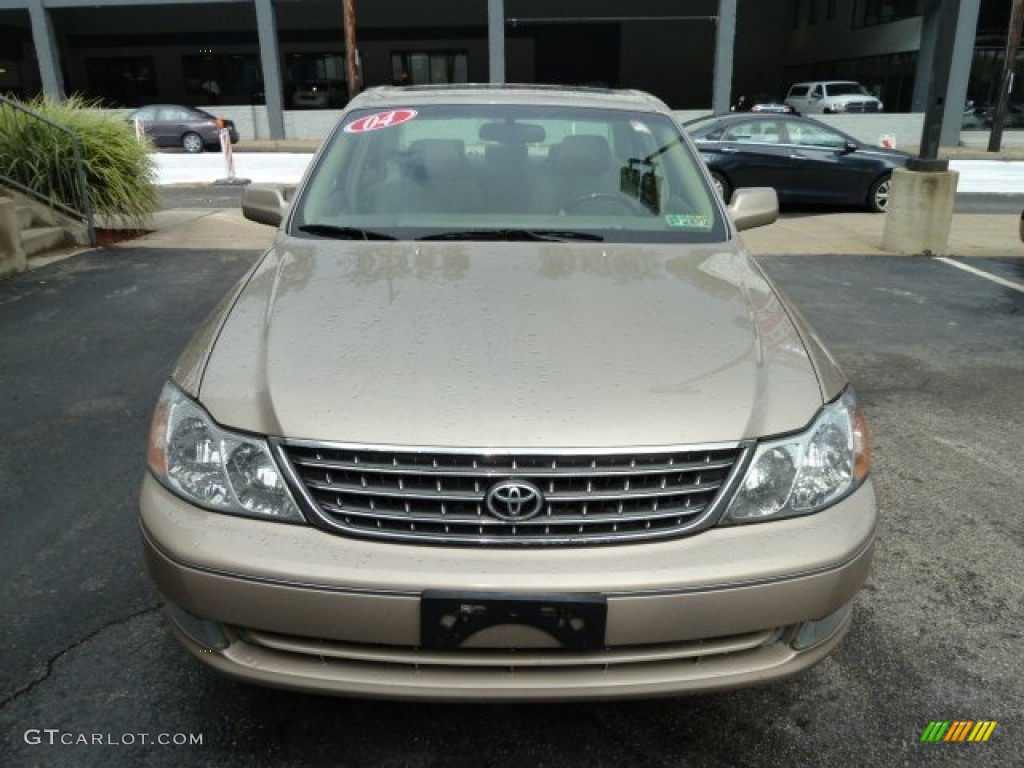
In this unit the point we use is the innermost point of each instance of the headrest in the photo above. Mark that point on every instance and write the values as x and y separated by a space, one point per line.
440 157
584 154
505 154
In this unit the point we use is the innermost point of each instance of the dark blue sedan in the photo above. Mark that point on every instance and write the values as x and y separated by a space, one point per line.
804 160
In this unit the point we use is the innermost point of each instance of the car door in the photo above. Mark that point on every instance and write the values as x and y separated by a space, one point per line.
162 128
175 122
816 99
748 152
825 166
146 117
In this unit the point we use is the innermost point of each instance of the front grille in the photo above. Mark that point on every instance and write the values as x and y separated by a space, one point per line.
442 496
862 106
519 661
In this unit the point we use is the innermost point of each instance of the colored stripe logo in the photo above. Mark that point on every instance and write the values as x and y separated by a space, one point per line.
958 730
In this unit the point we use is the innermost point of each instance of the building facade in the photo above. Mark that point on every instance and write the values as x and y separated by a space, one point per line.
694 54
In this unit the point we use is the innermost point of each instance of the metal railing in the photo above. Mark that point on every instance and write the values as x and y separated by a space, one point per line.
67 193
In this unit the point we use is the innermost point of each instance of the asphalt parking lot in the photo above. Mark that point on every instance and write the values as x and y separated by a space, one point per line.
937 357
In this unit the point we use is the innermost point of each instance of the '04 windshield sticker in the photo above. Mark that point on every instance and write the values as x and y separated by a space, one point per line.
379 120
688 221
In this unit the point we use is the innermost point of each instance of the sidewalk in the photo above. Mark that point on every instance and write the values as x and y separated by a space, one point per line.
992 175
971 235
860 234
855 234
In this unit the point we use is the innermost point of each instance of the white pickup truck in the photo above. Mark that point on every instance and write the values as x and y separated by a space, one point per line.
831 96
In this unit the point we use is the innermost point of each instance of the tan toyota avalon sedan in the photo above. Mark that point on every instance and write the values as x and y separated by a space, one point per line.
507 412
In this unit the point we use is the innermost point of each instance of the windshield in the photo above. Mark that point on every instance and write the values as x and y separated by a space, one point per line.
502 171
847 89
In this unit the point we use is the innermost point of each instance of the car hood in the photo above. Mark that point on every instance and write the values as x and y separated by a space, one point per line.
507 344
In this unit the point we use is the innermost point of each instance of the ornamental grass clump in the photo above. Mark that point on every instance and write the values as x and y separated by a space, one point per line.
119 170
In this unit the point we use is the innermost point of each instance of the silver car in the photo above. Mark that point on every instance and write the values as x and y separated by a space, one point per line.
507 412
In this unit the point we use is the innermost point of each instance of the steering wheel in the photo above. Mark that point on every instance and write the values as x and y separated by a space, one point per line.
628 204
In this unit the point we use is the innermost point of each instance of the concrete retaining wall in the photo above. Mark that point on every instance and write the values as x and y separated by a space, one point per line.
12 255
316 124
906 128
252 123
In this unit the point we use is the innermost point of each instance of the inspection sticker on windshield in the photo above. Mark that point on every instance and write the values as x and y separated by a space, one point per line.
381 120
688 221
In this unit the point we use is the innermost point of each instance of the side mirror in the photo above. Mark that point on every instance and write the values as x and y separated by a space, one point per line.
754 207
849 147
265 203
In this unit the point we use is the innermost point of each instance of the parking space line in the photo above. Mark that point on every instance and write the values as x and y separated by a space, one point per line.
981 273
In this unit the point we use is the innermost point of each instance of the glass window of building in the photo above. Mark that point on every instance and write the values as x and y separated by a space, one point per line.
429 67
222 78
127 81
867 13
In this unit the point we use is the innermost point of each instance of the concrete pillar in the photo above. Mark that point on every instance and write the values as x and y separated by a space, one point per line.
925 55
496 40
45 41
920 211
960 72
270 62
725 37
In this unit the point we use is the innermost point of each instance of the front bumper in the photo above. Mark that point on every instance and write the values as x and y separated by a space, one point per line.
300 608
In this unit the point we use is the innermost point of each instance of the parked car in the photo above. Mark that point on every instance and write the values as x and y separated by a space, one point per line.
507 412
804 160
762 102
974 119
831 96
983 117
320 94
1013 118
172 125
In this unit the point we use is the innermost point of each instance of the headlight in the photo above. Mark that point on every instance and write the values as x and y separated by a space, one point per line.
807 472
213 467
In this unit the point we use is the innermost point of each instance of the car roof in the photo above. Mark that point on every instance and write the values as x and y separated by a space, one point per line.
763 117
527 94
175 106
826 82
735 117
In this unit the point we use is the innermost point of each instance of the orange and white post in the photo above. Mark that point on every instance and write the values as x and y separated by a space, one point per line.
225 148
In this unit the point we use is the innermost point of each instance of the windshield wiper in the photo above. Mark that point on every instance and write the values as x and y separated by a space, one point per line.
518 235
343 233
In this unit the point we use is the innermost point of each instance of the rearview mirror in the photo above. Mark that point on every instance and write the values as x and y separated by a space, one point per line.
265 203
754 207
512 133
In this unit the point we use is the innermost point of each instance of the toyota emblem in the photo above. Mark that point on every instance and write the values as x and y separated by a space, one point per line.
514 500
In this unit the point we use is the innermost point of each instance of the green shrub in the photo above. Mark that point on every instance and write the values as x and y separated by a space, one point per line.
119 170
